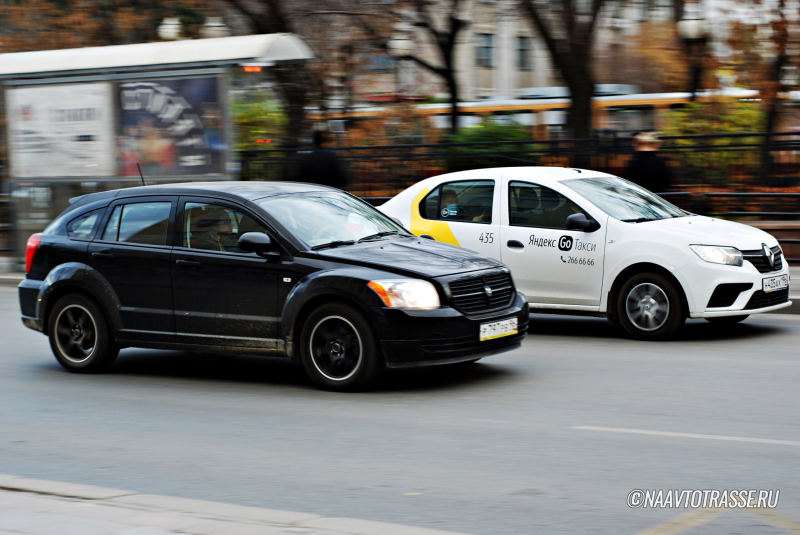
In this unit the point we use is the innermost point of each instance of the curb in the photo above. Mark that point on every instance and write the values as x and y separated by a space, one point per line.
185 515
11 279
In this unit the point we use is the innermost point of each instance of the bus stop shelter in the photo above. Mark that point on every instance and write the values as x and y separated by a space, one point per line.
80 120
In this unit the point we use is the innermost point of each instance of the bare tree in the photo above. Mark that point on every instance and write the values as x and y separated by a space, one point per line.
295 84
439 22
567 28
443 36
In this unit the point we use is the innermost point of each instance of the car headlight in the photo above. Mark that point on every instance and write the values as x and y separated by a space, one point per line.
730 256
406 293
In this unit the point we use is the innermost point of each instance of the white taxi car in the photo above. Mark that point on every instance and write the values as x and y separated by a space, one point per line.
589 243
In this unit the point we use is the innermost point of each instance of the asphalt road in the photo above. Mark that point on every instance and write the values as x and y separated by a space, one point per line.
488 448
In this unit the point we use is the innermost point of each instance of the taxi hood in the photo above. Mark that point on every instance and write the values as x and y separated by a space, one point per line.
703 230
411 255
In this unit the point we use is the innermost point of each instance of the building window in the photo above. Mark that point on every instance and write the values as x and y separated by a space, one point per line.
524 53
483 51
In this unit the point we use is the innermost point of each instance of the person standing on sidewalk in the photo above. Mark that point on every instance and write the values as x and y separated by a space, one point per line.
647 168
321 165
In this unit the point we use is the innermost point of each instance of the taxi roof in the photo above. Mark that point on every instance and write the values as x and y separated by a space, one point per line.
556 174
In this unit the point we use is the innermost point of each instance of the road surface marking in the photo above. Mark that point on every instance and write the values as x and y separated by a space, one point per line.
687 435
778 520
684 522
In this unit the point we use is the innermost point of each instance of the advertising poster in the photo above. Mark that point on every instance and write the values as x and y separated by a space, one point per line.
60 131
171 127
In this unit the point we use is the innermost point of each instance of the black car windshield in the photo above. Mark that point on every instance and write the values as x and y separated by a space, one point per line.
622 199
324 217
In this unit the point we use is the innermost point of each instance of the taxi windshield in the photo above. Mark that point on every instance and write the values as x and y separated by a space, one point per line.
328 217
623 200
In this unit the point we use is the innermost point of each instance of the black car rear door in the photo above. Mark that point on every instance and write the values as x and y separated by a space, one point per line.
222 295
132 252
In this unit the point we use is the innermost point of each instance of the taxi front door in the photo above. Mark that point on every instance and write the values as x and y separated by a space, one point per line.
550 264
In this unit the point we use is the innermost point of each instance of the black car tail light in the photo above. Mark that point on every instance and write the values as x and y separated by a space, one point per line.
30 252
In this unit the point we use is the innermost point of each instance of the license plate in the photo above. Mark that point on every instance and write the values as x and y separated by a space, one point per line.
775 283
498 329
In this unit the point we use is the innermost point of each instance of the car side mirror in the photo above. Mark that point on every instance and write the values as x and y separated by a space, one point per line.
398 222
581 222
259 243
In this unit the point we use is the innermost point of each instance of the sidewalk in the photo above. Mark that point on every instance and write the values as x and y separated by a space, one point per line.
36 507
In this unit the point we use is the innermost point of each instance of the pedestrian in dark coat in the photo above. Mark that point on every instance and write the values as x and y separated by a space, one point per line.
320 165
647 168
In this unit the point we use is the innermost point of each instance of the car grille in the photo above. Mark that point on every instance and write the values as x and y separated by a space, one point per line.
463 345
470 296
760 261
763 300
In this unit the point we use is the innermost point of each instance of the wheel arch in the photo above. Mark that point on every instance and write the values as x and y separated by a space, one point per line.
635 269
82 279
325 287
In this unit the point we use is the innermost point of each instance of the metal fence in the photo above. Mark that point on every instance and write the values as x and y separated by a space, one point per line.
739 163
739 176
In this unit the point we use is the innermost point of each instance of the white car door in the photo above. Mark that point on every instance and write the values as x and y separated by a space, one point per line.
550 264
470 209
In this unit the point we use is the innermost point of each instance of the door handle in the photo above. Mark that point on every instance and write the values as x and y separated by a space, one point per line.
103 255
188 263
514 244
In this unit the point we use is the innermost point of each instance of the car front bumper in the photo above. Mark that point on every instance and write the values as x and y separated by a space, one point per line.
703 278
412 338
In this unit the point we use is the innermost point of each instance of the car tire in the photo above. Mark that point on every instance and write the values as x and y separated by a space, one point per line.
650 307
339 348
79 335
727 320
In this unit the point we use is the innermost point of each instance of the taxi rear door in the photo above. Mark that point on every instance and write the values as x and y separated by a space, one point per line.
464 213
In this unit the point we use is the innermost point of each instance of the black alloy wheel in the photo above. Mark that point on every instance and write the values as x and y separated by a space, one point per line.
79 335
339 349
650 307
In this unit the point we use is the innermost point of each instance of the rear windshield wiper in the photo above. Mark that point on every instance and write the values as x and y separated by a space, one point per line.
641 220
379 235
334 243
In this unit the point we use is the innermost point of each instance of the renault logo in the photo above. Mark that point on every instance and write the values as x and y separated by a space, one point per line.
769 254
487 291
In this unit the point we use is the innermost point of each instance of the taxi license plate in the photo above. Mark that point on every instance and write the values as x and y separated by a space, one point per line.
498 329
775 283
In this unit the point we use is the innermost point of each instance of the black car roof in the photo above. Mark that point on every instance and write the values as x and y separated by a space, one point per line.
232 189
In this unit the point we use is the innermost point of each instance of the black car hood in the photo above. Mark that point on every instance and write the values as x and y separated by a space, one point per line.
420 256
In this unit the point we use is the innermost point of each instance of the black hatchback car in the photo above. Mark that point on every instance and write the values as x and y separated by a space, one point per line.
303 271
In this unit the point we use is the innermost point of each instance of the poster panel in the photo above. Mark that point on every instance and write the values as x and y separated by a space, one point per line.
171 127
63 130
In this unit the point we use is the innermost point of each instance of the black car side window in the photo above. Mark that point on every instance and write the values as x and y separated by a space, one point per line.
112 227
144 223
465 201
82 227
214 227
532 205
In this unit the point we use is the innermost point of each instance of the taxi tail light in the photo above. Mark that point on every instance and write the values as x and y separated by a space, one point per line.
30 251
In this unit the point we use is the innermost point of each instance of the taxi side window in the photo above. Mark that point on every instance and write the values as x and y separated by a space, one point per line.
531 205
212 227
468 201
